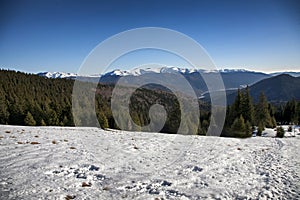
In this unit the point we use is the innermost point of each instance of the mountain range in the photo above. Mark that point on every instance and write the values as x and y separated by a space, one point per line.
233 78
277 87
283 87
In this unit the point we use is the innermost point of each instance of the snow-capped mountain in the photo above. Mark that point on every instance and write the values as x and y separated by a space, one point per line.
233 70
142 71
57 75
167 69
233 78
294 74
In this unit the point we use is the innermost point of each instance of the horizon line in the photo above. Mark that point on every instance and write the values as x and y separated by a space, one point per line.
118 68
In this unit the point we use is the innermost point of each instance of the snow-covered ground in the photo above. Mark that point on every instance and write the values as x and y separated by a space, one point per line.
89 163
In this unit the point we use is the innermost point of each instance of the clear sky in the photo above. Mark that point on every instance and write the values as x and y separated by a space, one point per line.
56 35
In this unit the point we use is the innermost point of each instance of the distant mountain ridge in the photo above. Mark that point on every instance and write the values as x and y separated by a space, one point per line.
233 78
283 87
294 74
277 89
142 71
276 86
57 75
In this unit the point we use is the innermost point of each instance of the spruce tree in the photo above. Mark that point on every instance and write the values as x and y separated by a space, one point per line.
103 120
235 110
239 124
205 125
29 120
260 129
247 109
262 112
280 132
137 123
248 129
42 123
298 113
4 114
290 112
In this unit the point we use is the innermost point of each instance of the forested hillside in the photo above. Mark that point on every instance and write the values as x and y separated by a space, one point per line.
278 89
27 99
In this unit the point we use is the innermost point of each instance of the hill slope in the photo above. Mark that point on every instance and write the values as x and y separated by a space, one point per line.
279 88
89 163
231 78
283 87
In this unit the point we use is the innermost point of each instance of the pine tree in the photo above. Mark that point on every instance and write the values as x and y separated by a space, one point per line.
29 120
274 121
205 125
280 132
137 122
4 114
235 109
43 123
103 121
262 112
239 124
260 129
247 109
294 116
248 129
241 129
298 113
290 112
52 118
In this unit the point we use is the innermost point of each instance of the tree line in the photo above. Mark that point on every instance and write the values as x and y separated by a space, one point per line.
27 99
243 115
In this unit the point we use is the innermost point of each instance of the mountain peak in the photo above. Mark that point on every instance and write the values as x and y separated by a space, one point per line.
57 75
142 71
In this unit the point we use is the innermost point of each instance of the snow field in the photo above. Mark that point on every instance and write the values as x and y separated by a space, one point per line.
89 163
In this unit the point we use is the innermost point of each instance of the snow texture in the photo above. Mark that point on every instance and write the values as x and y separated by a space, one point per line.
90 163
141 71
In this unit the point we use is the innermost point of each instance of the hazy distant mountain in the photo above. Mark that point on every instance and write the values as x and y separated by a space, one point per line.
232 78
295 74
281 88
277 88
238 79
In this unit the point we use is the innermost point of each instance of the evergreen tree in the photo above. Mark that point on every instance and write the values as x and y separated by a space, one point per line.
235 109
65 121
248 129
205 125
4 114
247 109
240 129
290 112
29 120
260 129
274 121
239 124
52 118
298 113
103 120
262 112
43 123
135 118
280 132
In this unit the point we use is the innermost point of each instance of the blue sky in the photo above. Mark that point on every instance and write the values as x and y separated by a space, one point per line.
57 35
